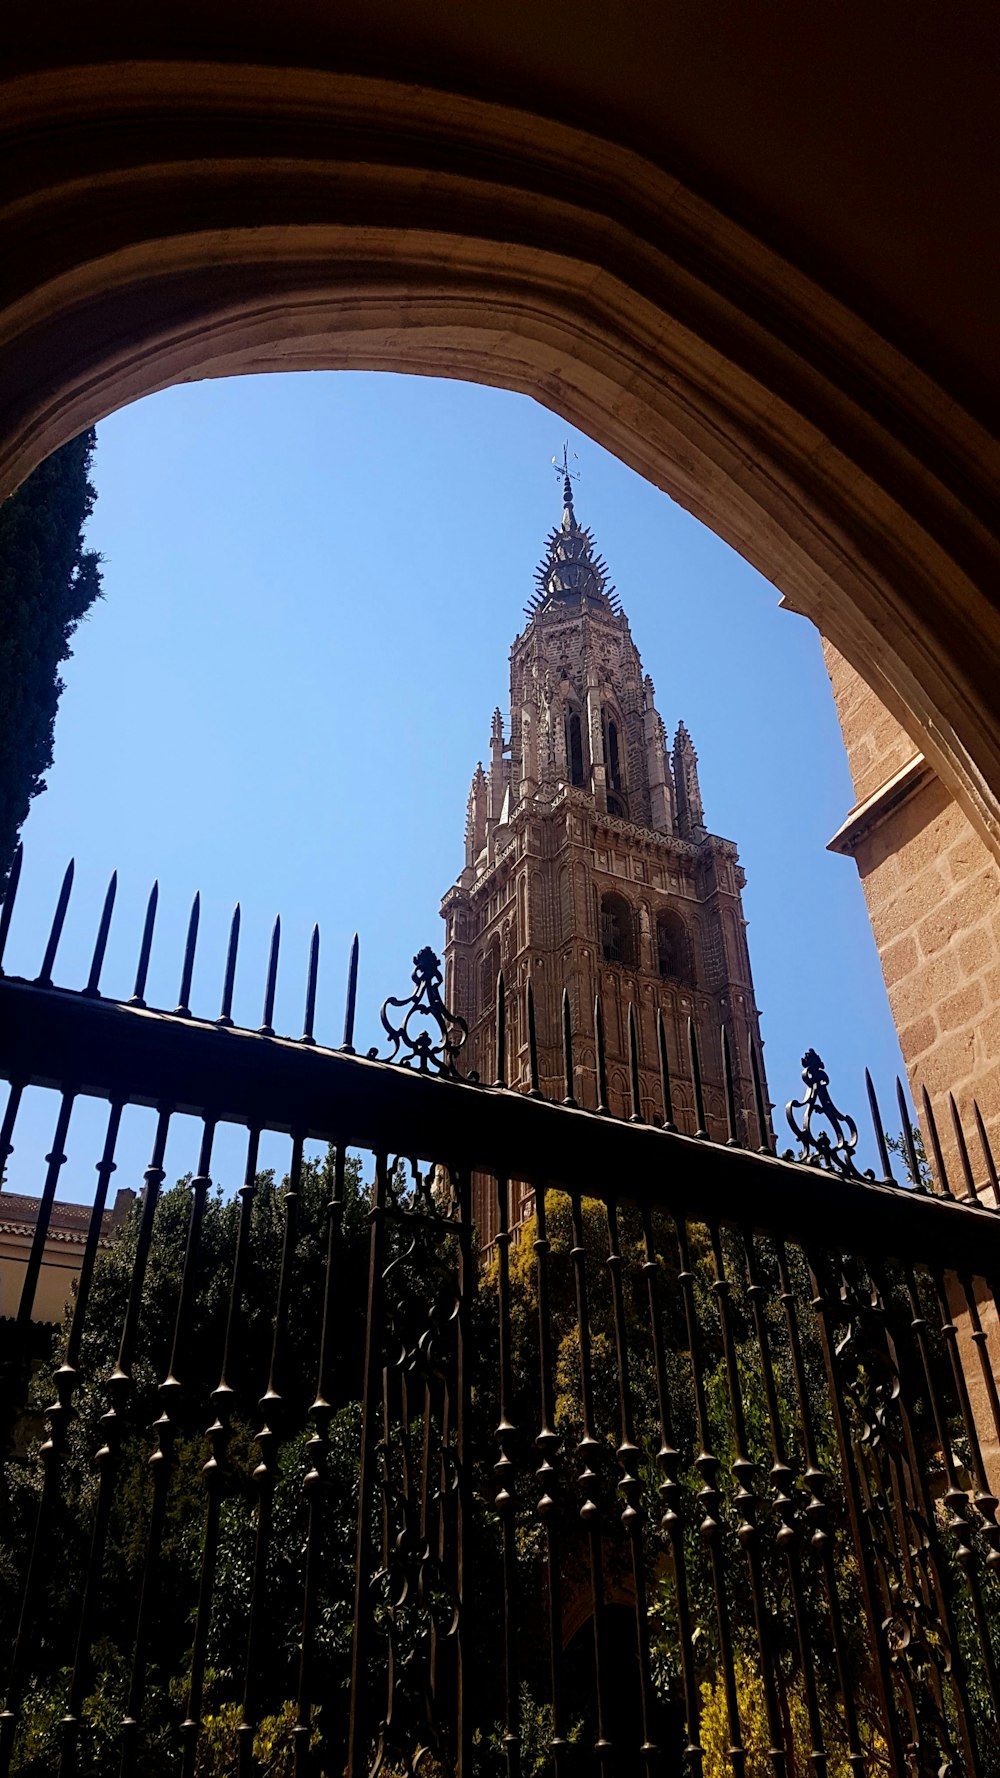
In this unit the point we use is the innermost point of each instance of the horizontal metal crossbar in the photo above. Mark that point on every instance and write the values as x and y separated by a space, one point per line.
53 1038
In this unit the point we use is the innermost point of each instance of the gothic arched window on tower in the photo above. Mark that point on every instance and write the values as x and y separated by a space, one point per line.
574 747
673 948
613 765
612 752
617 931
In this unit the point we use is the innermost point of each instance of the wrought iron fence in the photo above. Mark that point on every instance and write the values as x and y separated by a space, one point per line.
694 1471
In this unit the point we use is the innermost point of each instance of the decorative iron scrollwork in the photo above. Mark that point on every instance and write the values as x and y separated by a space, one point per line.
832 1149
431 1035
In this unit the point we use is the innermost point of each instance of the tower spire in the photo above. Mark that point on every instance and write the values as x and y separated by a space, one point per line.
571 570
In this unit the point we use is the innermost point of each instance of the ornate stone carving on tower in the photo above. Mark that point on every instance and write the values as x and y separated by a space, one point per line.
588 866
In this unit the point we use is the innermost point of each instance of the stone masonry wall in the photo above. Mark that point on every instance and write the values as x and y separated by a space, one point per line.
933 894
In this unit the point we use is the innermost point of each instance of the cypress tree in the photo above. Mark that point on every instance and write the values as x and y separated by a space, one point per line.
48 580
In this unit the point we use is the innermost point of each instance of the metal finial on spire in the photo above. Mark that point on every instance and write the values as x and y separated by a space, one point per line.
569 475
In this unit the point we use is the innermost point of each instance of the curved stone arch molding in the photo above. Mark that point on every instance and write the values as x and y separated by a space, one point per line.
555 263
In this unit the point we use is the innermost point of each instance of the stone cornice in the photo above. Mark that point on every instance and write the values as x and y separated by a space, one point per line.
865 817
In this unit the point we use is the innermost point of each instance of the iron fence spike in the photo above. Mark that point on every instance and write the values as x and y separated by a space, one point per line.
600 1057
352 997
633 1065
935 1142
533 1077
266 1027
44 977
906 1132
763 1121
183 1007
970 1195
101 942
225 1017
699 1101
501 1031
877 1124
145 947
312 978
984 1143
664 1060
569 1097
732 1135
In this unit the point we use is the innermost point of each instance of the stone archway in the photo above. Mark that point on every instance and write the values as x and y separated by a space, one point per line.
174 221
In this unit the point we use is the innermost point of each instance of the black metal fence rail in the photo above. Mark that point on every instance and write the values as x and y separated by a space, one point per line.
696 1473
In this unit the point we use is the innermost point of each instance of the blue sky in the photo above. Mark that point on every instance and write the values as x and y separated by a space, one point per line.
311 586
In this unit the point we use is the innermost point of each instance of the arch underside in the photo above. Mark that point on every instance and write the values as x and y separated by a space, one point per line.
186 222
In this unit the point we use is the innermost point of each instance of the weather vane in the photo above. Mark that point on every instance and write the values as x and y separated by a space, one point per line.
563 468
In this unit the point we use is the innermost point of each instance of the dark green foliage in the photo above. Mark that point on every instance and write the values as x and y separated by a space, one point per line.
198 1367
48 581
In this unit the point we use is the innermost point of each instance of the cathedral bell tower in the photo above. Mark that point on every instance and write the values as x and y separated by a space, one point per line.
588 866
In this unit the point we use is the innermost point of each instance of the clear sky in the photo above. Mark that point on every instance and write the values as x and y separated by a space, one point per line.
311 586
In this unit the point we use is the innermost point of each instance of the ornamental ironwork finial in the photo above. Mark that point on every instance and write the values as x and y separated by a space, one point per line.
832 1148
432 1036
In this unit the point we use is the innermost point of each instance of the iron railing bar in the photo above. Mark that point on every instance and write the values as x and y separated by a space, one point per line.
213 1471
60 1413
816 1510
468 1276
745 1503
505 1470
359 1727
113 1426
47 1035
630 1487
161 1460
825 1306
269 1440
927 1529
547 1445
316 1480
671 1494
589 1449
782 1481
707 1465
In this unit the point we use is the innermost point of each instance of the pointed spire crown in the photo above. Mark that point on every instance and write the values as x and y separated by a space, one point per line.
571 571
